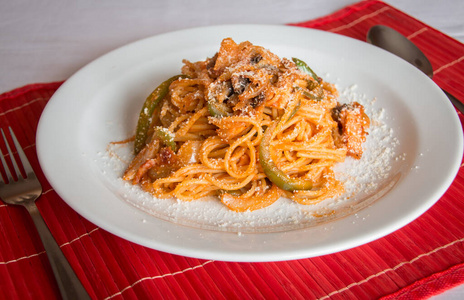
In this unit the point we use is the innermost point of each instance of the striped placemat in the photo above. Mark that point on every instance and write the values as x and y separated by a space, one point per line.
422 259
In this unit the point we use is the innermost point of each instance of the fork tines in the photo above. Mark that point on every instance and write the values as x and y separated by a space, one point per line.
13 171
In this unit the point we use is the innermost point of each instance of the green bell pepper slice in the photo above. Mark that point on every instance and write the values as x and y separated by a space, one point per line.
218 110
166 137
275 175
305 68
308 95
148 108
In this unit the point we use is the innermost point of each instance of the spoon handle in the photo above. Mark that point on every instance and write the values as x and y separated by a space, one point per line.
458 104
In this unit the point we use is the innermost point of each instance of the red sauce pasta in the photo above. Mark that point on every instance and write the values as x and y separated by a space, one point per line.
247 127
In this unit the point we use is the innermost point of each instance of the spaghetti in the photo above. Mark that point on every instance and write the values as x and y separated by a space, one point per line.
247 127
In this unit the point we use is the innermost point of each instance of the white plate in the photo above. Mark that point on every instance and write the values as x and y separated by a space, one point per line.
415 146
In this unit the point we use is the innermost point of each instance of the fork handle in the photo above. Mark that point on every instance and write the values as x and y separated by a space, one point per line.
68 283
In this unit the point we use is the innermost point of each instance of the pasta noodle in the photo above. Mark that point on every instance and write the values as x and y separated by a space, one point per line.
247 127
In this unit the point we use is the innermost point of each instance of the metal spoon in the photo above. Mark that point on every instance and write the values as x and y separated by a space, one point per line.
396 43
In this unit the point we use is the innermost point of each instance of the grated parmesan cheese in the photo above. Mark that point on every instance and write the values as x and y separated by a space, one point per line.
365 180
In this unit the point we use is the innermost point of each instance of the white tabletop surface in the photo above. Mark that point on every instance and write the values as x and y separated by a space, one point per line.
49 40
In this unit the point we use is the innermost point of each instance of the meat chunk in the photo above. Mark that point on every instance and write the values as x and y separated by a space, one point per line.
352 127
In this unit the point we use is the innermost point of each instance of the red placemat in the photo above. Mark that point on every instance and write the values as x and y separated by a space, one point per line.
424 258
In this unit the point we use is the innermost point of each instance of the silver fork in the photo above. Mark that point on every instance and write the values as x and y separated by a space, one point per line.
24 191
